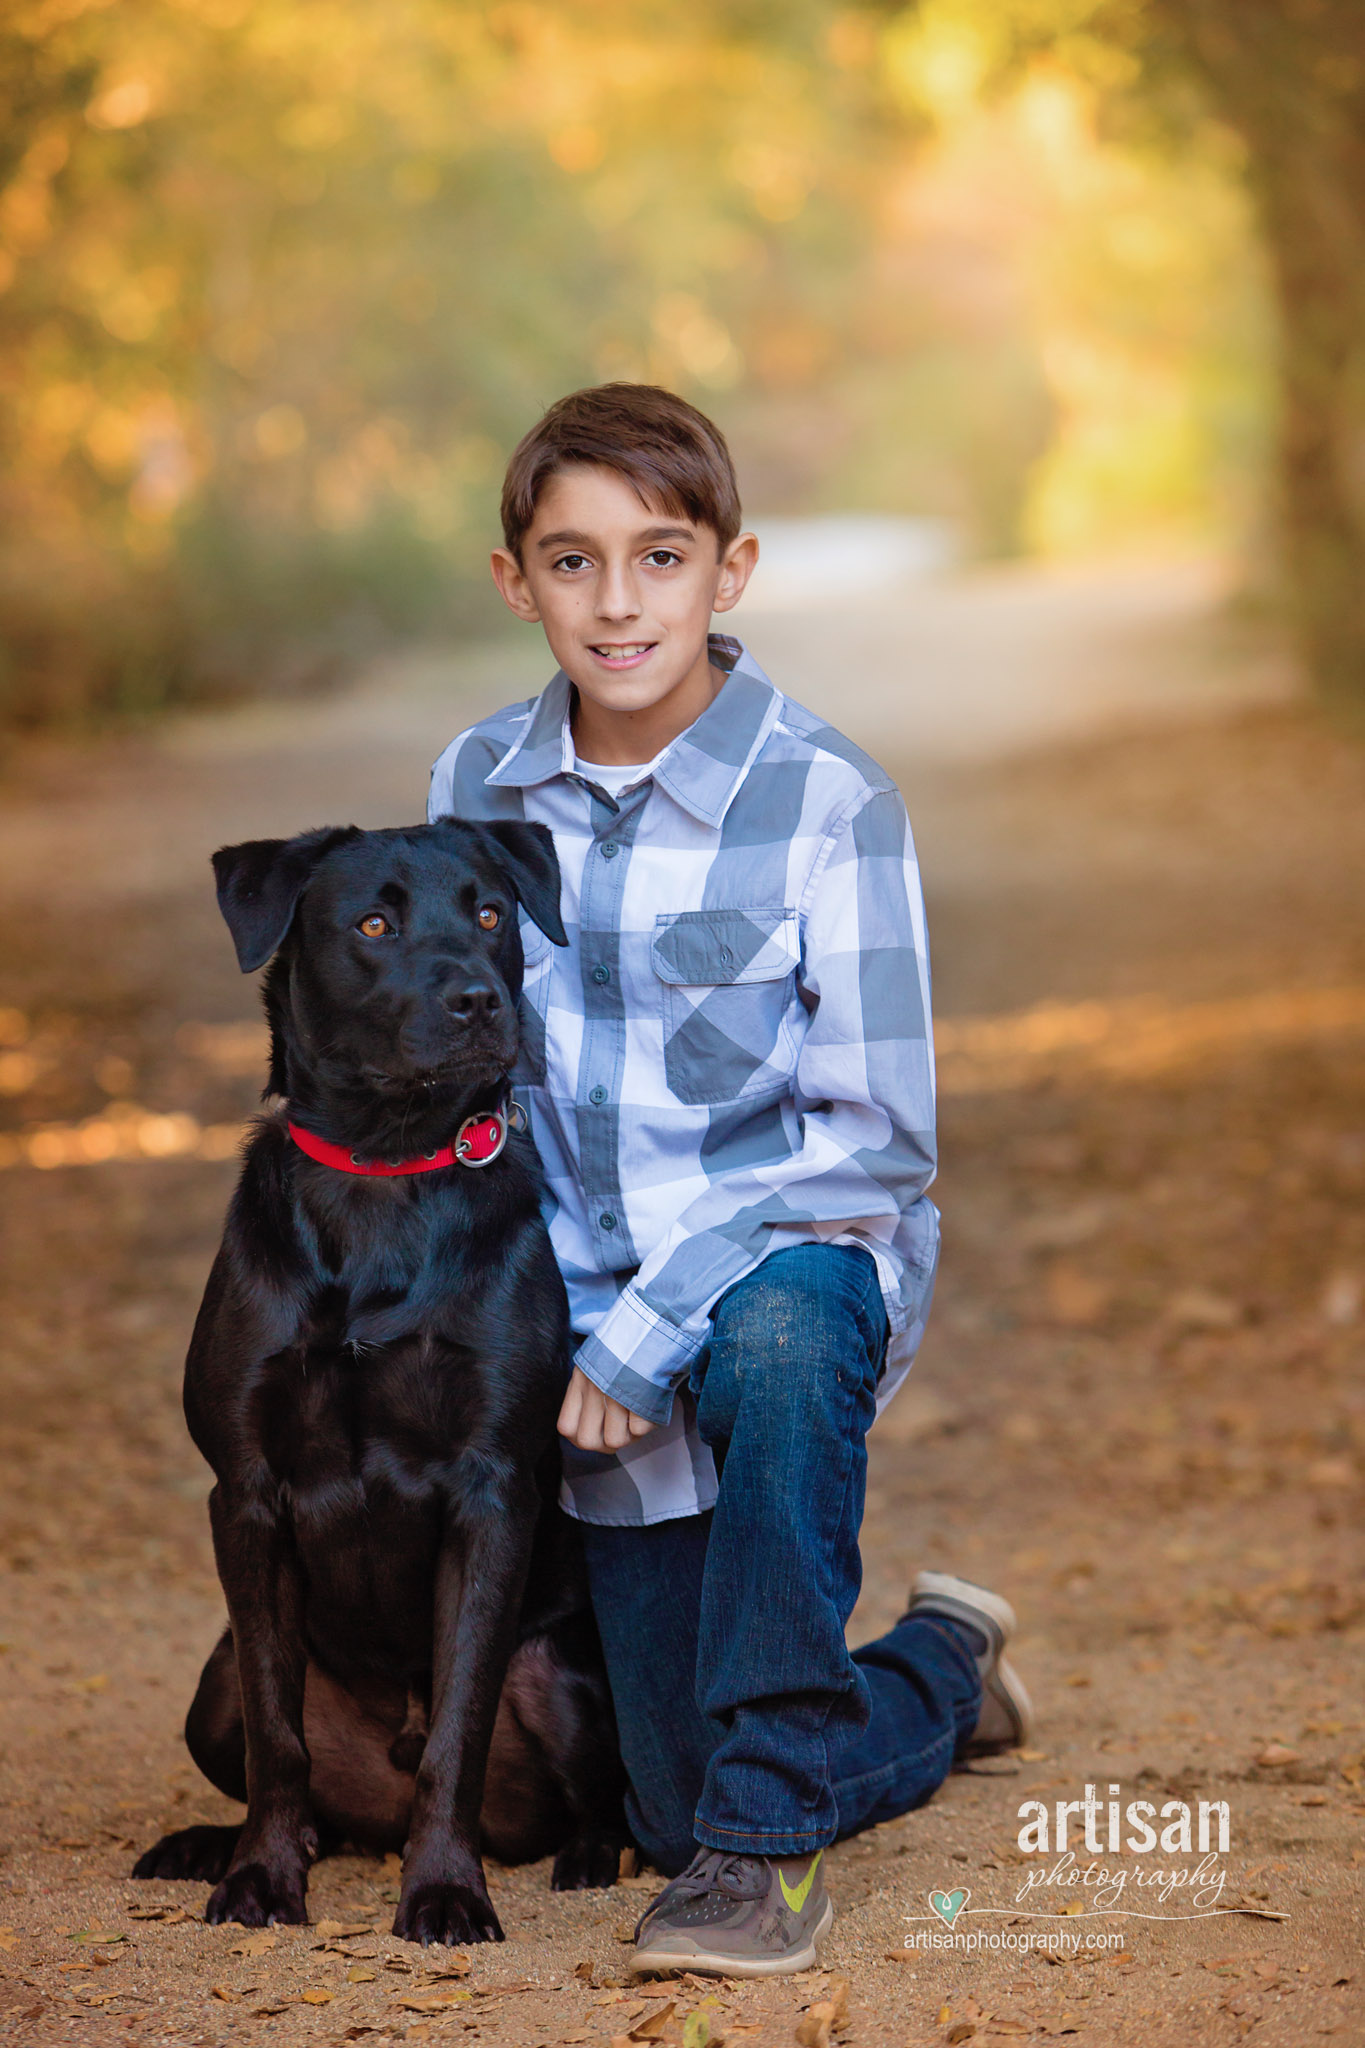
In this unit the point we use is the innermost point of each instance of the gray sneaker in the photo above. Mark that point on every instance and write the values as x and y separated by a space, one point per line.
737 1916
1006 1718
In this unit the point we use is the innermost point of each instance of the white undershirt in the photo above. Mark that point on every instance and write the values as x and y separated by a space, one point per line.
612 776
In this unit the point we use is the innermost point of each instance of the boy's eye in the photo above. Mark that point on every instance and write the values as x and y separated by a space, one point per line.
375 927
489 919
662 558
572 562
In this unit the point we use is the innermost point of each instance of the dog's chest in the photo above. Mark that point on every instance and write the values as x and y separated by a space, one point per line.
348 1430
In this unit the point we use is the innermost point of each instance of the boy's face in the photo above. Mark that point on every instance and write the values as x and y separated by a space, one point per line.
625 593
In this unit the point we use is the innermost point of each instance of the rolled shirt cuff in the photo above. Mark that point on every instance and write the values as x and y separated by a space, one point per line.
658 1357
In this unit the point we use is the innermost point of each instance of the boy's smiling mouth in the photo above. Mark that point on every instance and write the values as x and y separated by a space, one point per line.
622 653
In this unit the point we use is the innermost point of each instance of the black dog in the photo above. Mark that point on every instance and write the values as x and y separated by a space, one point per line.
374 1378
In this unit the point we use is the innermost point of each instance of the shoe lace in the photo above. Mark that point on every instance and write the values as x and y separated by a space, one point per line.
713 1870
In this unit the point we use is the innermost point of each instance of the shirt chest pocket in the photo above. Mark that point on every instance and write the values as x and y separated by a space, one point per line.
728 989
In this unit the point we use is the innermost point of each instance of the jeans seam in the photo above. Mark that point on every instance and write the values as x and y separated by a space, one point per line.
766 1834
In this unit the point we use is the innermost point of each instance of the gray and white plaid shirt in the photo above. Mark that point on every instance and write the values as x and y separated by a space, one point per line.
733 1053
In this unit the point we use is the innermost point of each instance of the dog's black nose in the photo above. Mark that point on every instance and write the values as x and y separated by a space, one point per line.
473 1002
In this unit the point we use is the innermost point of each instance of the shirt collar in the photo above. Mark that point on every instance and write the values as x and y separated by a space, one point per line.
703 767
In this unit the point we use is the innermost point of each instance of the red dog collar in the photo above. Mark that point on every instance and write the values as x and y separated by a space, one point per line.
478 1142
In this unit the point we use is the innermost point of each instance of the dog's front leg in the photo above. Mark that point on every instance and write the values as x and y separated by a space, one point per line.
268 1876
480 1580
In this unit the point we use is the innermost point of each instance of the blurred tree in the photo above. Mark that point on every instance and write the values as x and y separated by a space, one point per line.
1287 77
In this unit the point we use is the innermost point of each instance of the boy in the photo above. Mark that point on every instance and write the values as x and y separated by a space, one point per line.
729 1075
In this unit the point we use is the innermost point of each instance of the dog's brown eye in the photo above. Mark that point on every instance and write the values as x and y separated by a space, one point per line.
374 926
489 919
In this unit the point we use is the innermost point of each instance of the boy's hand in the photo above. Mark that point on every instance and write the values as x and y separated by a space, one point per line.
593 1421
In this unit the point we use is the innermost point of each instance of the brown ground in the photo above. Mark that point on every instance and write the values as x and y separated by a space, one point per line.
1139 1411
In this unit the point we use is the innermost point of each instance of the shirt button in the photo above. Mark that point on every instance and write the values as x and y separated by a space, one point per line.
610 850
607 1220
598 1095
601 974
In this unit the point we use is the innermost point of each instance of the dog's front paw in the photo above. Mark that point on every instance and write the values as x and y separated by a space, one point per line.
590 1861
200 1855
452 1913
259 1898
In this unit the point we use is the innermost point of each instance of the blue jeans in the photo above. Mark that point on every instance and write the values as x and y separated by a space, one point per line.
745 1722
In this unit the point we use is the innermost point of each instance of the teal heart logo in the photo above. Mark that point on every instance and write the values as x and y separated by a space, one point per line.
948 1904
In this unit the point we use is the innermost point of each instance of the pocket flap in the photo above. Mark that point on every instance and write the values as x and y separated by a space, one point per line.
534 944
714 947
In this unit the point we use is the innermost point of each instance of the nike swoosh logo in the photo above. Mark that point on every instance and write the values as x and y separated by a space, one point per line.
796 1896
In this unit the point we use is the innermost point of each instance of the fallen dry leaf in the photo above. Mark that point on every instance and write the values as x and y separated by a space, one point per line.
1198 1308
266 2012
583 1971
361 1973
1073 1297
447 1966
317 1997
341 1930
224 1992
258 1943
963 2030
828 2016
170 1916
651 2026
1276 1753
98 1937
434 2001
8 1938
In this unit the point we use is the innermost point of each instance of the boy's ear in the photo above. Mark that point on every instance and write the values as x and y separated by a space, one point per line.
260 883
528 854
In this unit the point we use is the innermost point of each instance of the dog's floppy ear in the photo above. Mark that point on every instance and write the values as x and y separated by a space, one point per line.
528 854
260 883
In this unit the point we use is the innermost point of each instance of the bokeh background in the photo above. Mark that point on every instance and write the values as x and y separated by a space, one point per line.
283 282
1038 329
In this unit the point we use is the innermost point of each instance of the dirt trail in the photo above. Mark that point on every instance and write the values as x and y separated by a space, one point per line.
1139 1411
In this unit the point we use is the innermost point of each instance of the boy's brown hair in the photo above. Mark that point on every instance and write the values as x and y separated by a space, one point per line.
670 453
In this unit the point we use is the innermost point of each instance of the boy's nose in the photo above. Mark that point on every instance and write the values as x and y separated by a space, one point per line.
617 597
